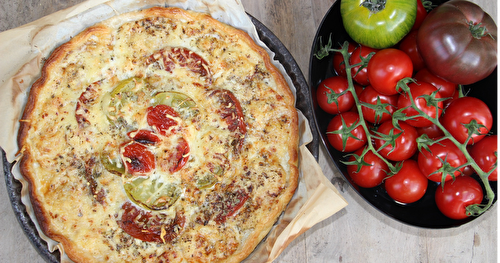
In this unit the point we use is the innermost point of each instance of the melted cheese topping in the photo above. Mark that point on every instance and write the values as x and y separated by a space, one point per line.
239 171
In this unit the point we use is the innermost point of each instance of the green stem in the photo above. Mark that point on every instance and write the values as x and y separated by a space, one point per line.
362 122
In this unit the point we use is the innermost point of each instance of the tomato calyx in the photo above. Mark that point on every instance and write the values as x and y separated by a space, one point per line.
333 97
324 51
478 31
446 170
379 108
346 132
474 128
389 139
428 5
358 161
374 6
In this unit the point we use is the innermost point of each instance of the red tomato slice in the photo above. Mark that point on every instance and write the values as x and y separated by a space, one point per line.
147 227
138 159
161 117
144 137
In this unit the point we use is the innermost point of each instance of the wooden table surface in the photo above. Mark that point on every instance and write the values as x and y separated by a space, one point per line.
358 233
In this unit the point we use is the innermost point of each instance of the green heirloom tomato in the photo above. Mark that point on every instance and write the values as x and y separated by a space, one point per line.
378 23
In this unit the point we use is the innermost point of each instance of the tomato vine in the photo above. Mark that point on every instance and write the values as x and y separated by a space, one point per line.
424 142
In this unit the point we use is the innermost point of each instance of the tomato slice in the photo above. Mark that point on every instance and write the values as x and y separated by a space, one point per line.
86 99
147 227
231 112
180 102
144 137
171 58
151 193
232 202
139 160
162 118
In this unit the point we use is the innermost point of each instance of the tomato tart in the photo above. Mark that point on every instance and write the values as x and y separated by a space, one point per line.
160 135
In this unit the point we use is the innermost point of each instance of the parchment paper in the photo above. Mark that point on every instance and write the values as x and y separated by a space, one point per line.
23 52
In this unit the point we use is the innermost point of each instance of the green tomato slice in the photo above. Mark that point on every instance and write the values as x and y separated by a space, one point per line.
182 103
151 193
124 93
209 179
113 165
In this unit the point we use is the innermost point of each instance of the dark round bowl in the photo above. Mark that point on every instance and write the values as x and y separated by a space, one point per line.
423 213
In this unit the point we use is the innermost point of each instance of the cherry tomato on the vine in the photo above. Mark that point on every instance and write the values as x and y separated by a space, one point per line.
462 112
443 156
400 148
418 90
359 74
485 154
408 185
344 133
445 88
338 61
409 46
377 107
369 175
432 131
455 195
386 68
421 14
333 95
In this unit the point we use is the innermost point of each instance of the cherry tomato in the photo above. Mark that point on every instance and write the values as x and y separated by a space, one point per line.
338 61
360 75
443 152
456 195
432 131
138 159
409 46
421 14
485 153
385 105
333 96
408 185
445 88
401 148
369 175
420 89
386 68
461 112
348 137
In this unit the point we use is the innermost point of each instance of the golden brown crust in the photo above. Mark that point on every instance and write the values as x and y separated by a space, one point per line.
106 194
